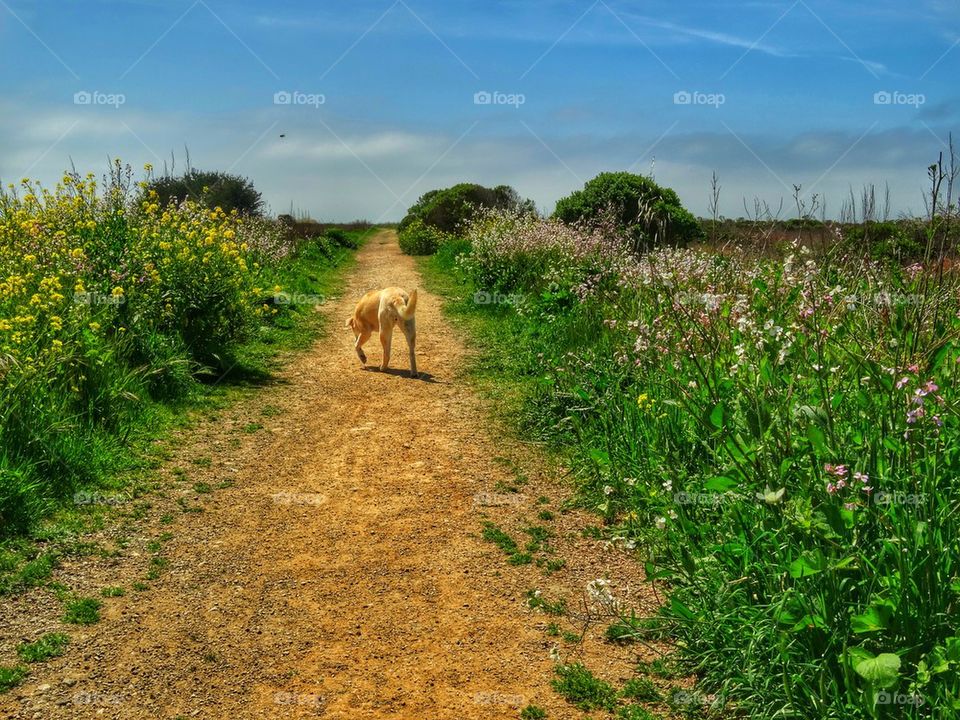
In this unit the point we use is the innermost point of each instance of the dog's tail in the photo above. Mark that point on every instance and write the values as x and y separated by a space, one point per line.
406 311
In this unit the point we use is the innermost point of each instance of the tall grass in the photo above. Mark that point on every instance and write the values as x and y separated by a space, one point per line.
780 434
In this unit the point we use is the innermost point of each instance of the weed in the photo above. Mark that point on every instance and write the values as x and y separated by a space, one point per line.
581 688
48 646
11 676
82 611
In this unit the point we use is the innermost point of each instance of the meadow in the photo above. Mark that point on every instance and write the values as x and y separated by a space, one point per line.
773 435
116 311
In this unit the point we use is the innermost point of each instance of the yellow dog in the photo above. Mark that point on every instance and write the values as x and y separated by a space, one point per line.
381 311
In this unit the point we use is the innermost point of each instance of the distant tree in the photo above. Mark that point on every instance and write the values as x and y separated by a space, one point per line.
212 189
449 209
649 213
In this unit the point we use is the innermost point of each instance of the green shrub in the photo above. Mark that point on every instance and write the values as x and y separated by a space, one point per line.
419 238
650 214
212 189
450 209
899 242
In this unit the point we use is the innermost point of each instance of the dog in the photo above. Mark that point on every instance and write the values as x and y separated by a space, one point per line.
381 311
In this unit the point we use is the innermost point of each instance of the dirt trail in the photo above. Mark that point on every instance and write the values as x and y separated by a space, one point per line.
340 576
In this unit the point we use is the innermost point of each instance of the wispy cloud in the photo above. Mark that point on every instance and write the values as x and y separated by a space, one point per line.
712 36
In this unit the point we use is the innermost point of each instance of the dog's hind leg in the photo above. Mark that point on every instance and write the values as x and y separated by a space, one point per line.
410 332
358 346
386 337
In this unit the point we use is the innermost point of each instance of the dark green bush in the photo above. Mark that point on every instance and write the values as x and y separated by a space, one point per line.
212 189
649 213
900 241
450 209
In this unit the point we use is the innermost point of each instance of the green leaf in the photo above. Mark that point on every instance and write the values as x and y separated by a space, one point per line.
817 439
720 483
600 457
877 617
953 649
681 610
717 416
810 563
882 670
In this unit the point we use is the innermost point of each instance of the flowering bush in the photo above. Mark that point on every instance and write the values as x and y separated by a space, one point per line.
103 298
780 434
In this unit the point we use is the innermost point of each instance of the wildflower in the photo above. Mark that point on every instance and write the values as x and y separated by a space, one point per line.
849 506
117 291
771 497
861 477
607 490
660 522
668 485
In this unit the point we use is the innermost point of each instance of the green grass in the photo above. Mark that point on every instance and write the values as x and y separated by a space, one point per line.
584 690
49 646
532 712
640 689
536 601
112 591
11 676
82 611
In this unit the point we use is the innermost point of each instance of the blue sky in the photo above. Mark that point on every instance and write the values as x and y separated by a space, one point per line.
384 105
